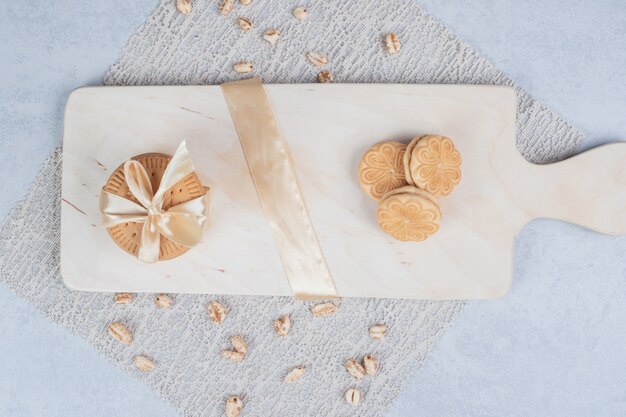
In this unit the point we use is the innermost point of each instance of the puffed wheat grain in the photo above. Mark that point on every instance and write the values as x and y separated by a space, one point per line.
323 310
119 331
233 407
295 374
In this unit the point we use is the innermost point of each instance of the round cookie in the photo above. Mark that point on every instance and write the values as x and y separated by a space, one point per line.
381 168
128 235
409 216
435 165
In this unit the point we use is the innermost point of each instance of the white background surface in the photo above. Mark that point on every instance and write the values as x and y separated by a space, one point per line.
554 346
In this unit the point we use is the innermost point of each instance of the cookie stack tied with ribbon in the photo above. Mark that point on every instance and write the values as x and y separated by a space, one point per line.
154 205
406 180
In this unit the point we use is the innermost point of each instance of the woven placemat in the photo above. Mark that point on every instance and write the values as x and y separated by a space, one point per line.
201 48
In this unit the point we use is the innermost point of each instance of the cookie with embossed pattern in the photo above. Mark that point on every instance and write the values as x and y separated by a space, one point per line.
382 169
128 235
434 164
412 215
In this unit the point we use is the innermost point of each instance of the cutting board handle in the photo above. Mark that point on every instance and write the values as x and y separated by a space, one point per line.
588 189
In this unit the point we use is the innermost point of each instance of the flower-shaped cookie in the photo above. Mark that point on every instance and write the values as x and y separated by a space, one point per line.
381 169
409 214
434 164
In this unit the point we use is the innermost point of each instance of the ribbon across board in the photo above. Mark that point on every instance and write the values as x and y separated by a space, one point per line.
279 192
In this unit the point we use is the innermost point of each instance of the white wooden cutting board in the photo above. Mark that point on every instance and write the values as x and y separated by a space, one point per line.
327 128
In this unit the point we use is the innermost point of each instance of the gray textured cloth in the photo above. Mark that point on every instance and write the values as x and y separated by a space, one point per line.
200 49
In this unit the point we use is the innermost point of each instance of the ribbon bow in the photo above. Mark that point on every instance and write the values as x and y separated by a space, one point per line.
182 224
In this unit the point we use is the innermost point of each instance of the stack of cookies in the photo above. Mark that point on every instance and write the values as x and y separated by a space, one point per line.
406 180
128 235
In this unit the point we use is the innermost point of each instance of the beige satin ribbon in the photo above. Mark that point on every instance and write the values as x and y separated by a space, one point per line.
277 187
182 224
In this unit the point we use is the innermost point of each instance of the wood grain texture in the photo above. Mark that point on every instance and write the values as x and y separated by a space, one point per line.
328 128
